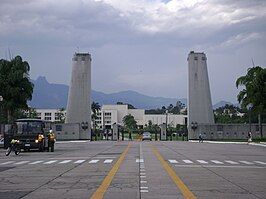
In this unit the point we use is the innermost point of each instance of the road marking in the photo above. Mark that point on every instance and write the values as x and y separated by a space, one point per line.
108 161
22 162
99 193
93 161
9 162
246 162
50 162
202 161
231 162
143 182
260 162
179 183
188 161
79 161
219 166
139 160
65 161
173 161
217 162
36 162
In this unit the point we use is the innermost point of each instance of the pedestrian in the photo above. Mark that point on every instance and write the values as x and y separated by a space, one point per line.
51 140
200 138
249 137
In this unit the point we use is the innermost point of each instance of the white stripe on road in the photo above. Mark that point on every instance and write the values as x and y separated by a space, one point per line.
65 161
50 162
36 162
260 162
22 162
231 162
217 162
202 161
246 162
108 161
188 161
9 162
93 161
139 160
79 161
173 161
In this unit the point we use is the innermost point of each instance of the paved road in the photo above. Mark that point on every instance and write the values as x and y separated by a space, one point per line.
145 170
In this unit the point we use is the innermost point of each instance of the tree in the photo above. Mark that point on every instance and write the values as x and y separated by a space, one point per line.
95 107
130 123
254 93
15 86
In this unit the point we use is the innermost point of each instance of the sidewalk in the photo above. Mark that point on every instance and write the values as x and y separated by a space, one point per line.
263 144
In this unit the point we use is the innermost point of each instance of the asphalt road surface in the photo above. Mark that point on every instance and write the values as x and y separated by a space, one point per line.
144 170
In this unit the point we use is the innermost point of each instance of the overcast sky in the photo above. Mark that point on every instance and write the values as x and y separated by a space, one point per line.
139 45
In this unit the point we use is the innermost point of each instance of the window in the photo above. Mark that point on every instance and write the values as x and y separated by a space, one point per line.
47 114
195 58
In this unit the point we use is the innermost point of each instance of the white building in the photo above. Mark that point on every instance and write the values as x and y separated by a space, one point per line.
110 114
53 115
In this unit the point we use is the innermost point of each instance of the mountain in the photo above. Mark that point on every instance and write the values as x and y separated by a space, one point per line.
49 95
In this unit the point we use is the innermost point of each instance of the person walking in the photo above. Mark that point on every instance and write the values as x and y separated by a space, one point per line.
200 138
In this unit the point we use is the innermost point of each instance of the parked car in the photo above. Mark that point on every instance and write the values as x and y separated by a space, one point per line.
146 136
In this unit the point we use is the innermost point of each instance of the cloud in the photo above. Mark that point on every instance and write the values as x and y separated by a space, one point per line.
128 36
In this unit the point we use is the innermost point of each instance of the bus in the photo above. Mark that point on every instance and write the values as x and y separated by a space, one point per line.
27 131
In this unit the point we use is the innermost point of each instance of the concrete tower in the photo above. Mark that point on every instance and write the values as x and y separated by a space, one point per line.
79 95
199 96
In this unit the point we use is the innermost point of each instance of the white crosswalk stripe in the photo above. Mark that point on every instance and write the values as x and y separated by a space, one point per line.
231 162
22 162
173 161
5 163
260 162
188 161
139 160
202 161
36 162
93 161
246 162
79 161
50 162
108 161
217 162
65 161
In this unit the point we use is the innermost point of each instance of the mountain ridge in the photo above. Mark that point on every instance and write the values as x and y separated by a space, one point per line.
50 95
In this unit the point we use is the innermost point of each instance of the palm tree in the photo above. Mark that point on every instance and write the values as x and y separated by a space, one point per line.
95 107
254 93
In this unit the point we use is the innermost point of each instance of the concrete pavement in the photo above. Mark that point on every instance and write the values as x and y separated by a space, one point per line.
78 169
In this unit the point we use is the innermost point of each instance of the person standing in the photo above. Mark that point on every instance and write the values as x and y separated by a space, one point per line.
51 140
249 137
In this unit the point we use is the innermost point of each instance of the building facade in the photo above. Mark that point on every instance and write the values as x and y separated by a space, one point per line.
110 114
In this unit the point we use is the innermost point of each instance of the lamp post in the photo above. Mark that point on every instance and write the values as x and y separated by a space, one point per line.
166 121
